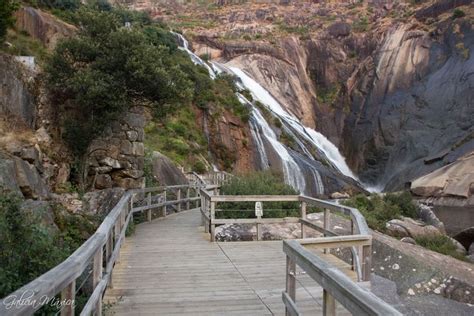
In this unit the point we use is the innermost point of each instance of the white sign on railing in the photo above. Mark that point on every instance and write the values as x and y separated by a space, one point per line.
258 209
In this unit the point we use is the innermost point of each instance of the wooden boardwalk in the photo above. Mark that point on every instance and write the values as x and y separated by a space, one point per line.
169 267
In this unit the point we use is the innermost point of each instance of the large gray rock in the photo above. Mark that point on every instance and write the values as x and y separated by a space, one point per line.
8 174
410 118
30 182
165 172
428 216
455 179
101 202
408 227
15 95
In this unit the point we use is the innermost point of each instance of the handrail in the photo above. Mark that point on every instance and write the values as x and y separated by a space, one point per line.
109 235
336 284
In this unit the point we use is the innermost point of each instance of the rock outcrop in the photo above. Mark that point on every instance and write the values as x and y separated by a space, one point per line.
455 180
165 172
16 84
42 26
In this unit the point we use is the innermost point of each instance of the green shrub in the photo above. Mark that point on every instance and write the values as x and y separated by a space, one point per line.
199 167
441 244
378 211
258 183
458 13
7 7
27 248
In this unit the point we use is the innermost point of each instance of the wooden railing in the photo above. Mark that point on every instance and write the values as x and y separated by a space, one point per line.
96 258
212 178
359 242
336 285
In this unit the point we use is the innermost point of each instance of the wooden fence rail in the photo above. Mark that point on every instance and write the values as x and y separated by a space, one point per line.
359 242
100 252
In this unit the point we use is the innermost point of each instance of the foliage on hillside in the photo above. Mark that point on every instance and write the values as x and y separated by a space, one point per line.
378 210
29 248
258 183
108 67
7 7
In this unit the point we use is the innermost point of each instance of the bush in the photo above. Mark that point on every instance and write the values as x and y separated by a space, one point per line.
27 249
7 7
378 211
199 167
258 183
441 244
458 13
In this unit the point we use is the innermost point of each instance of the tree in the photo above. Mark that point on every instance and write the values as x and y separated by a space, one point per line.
7 7
96 75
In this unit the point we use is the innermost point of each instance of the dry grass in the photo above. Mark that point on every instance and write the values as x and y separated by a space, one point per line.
14 132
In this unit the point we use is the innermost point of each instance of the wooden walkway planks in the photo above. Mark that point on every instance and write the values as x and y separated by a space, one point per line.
169 267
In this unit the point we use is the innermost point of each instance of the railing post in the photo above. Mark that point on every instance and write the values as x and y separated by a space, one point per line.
326 225
163 211
148 212
206 211
366 261
290 281
117 231
259 229
97 277
178 198
353 264
212 217
303 216
329 304
188 204
68 295
197 195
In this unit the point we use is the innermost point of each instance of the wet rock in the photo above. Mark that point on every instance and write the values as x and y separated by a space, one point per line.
407 227
165 171
408 240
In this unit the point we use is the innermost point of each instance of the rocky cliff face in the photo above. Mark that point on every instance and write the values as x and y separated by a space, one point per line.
42 26
389 83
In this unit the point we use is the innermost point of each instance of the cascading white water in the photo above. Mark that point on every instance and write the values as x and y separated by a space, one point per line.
291 170
195 58
317 139
261 130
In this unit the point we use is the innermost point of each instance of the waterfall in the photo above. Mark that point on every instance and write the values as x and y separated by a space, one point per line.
195 58
296 168
317 139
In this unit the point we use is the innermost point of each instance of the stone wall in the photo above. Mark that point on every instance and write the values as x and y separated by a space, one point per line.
116 159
